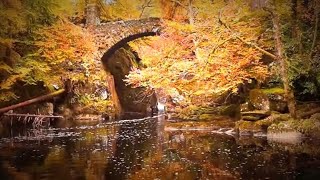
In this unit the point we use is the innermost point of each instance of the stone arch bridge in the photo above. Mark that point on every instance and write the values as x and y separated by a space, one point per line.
108 38
111 36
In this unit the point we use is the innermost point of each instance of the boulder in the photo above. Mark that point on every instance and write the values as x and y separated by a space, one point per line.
232 110
246 107
268 99
249 128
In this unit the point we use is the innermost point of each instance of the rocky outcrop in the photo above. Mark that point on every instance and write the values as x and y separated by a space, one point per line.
259 127
132 100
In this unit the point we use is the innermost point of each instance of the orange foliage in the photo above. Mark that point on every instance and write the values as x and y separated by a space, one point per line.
172 10
69 51
198 63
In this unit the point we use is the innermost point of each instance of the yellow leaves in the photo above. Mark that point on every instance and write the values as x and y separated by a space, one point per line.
133 9
5 68
7 96
12 79
172 26
65 46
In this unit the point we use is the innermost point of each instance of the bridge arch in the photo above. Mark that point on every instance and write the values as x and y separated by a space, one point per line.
112 35
123 42
111 39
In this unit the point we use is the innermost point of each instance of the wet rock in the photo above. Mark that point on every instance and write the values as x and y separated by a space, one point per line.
65 111
250 141
249 128
245 133
211 113
250 118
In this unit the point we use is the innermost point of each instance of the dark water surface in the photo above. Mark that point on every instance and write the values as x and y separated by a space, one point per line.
143 150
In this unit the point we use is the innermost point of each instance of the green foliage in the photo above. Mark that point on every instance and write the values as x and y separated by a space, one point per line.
275 90
94 102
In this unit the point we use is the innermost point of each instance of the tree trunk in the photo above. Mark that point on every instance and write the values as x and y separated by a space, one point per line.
32 101
315 32
294 16
283 65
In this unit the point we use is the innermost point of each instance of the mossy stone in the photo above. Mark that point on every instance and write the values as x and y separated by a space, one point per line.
268 99
206 117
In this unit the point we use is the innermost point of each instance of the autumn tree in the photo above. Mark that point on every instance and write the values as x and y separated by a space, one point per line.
48 50
19 22
199 61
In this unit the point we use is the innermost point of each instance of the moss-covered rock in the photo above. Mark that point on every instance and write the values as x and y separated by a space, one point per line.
246 107
249 128
207 113
309 127
268 99
259 100
274 118
259 127
232 110
206 117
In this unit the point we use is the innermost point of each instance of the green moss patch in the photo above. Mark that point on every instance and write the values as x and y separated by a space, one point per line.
275 90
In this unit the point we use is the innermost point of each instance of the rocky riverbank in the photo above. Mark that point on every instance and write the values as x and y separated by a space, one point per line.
264 113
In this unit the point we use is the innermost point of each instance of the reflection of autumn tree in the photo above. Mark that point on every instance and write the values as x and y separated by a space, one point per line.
183 162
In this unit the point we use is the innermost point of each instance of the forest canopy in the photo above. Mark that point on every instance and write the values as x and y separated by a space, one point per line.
206 48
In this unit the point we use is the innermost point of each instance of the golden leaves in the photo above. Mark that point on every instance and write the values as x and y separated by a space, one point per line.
198 62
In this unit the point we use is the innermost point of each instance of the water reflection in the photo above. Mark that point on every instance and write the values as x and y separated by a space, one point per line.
143 150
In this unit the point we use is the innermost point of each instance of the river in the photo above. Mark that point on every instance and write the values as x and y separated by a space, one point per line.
144 150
